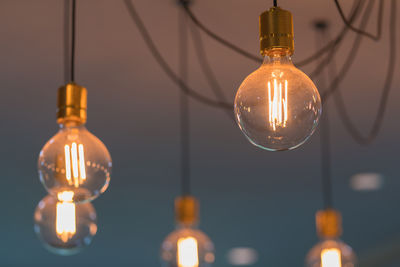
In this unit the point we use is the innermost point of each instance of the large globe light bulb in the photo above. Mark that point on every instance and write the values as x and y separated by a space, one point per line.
65 228
277 107
187 246
74 159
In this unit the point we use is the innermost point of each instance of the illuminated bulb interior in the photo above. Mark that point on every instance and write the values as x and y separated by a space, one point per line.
187 252
75 171
331 257
278 103
65 216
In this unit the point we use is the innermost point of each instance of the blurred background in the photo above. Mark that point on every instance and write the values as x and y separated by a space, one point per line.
258 207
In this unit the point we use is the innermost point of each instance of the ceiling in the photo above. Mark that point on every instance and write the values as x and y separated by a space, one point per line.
249 198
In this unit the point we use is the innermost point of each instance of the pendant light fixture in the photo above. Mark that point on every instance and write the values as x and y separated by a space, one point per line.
187 246
330 251
74 160
277 107
74 167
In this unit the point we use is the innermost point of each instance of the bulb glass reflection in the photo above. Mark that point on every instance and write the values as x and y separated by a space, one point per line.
64 227
277 107
331 253
75 160
187 247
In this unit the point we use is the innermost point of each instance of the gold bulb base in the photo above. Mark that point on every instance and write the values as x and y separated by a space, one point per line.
186 210
276 31
329 223
71 104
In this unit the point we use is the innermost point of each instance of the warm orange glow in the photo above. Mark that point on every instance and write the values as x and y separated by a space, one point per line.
75 164
65 216
187 252
331 257
278 103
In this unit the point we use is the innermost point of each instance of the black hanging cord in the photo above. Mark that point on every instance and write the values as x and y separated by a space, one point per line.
379 117
184 107
220 39
206 68
361 31
275 3
325 141
73 33
334 85
356 10
66 42
164 65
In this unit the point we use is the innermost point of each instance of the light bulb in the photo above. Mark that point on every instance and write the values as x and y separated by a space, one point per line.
331 253
64 227
187 247
277 107
74 159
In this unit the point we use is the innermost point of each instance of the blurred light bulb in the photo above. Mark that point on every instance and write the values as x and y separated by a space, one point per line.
64 227
331 253
277 107
74 159
187 247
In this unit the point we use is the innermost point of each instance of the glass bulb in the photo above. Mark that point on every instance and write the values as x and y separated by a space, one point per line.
331 253
187 247
64 227
277 107
75 160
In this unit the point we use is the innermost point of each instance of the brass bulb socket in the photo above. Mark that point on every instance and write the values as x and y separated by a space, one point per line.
71 104
186 210
276 31
329 223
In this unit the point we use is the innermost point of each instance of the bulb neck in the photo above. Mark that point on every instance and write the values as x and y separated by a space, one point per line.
66 124
278 56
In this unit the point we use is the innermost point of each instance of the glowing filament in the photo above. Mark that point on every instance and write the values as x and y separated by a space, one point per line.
75 164
278 104
331 258
65 216
187 252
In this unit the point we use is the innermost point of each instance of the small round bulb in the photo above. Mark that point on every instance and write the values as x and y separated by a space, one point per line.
65 228
331 253
187 247
277 107
75 160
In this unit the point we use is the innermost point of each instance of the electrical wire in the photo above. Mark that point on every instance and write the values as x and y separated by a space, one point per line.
66 40
379 117
206 68
361 31
244 53
219 39
164 65
356 10
350 58
275 3
324 132
73 33
184 109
